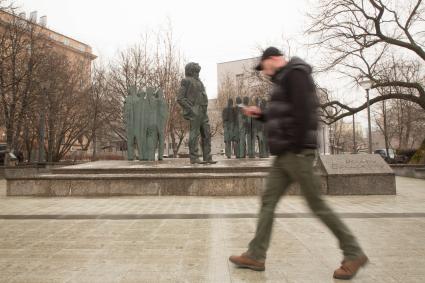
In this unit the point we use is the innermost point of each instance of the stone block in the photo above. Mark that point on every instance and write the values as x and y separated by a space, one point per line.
357 174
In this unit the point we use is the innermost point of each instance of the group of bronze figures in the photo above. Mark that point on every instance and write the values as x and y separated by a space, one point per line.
242 133
145 115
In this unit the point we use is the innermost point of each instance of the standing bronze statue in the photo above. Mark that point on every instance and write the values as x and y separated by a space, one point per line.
240 150
228 128
155 114
142 125
235 115
132 121
162 116
263 147
194 102
249 137
145 115
242 132
258 133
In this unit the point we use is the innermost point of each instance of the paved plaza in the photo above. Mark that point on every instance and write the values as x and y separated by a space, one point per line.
189 239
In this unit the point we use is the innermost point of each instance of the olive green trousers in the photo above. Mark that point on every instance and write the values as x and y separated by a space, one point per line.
287 169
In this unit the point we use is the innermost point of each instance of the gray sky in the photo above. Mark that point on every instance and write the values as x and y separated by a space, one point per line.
207 32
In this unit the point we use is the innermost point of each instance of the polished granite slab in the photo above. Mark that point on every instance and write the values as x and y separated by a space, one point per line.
164 246
177 177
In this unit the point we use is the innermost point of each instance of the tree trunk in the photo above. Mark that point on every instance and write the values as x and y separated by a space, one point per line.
9 145
51 137
408 128
94 141
27 143
173 143
384 112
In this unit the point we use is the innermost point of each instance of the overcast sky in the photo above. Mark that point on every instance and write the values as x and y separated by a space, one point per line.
207 32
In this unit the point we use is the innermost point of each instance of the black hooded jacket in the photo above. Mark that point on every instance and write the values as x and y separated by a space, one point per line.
291 116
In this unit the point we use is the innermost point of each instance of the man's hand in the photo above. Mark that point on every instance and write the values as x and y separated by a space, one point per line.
252 111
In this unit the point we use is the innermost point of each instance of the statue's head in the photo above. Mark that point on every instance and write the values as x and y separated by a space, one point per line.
192 70
238 100
230 102
150 91
257 101
132 90
245 100
159 94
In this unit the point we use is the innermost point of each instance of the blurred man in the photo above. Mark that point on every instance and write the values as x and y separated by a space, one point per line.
291 124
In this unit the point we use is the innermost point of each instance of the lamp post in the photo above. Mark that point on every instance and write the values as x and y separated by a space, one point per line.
367 84
354 134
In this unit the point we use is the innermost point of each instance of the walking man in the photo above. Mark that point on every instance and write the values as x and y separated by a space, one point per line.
291 123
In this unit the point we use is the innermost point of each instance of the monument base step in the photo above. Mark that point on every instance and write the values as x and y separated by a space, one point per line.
201 184
229 177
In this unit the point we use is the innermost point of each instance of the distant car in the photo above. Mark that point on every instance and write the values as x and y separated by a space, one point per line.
390 157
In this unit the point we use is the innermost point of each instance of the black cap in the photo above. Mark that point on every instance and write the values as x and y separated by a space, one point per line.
269 52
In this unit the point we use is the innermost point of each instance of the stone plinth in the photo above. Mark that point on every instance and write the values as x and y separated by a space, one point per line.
135 178
233 177
358 174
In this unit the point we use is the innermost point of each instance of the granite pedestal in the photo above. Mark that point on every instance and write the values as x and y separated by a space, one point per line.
230 177
357 174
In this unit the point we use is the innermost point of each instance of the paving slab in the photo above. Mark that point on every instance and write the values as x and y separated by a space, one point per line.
188 239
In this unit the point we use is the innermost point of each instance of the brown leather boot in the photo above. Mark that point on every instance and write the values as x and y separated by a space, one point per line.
349 268
244 261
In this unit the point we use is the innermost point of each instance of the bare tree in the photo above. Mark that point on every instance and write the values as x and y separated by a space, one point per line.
22 50
167 74
402 123
341 137
359 39
129 68
155 61
381 41
102 110
67 122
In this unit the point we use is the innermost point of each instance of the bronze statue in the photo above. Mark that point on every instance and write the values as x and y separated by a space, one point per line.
240 150
249 137
194 102
228 128
145 114
263 146
132 120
